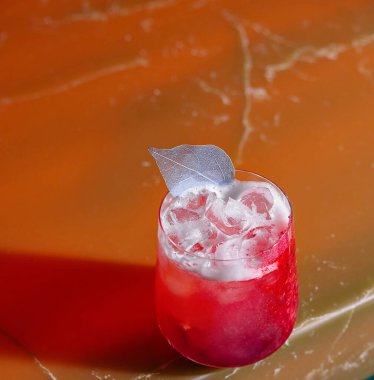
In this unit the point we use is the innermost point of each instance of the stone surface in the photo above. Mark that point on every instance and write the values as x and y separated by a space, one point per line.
286 90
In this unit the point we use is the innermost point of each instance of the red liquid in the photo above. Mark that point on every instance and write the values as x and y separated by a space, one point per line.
228 323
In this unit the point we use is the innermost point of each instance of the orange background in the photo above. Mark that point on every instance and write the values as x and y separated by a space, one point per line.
286 89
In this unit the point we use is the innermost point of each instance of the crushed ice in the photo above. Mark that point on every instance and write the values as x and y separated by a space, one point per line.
210 222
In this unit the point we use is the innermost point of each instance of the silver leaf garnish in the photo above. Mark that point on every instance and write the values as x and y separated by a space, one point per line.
187 166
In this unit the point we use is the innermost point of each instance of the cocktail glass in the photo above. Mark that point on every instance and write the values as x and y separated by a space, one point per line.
223 322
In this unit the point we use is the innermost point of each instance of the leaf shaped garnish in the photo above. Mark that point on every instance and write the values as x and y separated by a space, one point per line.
187 166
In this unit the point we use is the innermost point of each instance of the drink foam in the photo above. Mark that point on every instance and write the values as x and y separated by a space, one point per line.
227 232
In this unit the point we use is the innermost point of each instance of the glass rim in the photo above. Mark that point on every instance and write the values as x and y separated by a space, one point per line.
262 253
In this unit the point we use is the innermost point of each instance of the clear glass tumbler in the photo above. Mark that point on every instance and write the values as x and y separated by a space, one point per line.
223 322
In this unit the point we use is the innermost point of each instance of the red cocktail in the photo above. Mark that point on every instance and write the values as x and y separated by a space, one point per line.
226 285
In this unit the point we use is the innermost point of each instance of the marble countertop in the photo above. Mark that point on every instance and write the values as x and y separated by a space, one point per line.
286 88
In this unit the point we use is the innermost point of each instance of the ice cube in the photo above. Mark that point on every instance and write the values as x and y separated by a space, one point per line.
175 217
257 246
232 218
197 201
229 249
190 236
175 242
196 248
182 215
258 240
216 238
258 199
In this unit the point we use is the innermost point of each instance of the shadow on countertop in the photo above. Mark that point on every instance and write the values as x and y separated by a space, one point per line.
93 313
